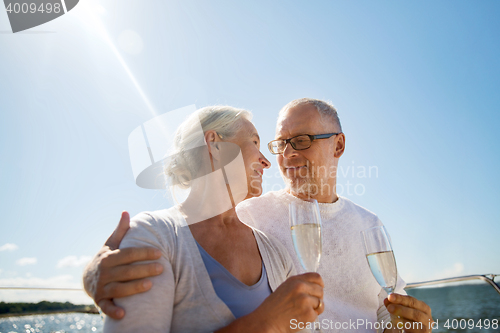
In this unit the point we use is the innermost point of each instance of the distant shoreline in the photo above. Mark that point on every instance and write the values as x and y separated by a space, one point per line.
43 308
22 314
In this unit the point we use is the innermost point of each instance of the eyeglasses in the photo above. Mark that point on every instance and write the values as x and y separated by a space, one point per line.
299 142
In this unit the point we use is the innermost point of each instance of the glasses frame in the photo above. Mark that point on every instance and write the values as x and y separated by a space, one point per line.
289 141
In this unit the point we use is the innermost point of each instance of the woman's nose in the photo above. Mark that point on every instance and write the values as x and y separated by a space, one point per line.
264 161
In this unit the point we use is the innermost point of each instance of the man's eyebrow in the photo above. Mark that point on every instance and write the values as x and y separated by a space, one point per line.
280 137
255 134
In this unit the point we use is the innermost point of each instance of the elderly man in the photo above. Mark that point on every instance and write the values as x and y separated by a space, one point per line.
309 142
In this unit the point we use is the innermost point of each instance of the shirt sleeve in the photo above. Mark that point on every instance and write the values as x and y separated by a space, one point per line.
289 265
152 310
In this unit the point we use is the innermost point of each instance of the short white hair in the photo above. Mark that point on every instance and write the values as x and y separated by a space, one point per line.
185 163
324 108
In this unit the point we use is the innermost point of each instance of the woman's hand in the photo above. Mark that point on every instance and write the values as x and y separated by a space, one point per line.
293 304
110 273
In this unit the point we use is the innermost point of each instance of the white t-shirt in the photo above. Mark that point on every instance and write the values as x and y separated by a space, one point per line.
353 298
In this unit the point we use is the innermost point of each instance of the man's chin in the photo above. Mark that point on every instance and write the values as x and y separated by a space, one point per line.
303 187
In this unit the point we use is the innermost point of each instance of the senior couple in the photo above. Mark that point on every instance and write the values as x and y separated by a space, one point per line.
196 268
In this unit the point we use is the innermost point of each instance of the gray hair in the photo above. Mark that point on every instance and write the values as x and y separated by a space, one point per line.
324 108
187 160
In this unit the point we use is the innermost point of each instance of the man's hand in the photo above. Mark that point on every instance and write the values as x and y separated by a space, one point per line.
414 315
110 273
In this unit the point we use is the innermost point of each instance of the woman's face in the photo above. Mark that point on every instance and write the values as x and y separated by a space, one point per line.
249 142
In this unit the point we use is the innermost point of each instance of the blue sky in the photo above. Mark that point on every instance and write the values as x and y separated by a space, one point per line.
416 85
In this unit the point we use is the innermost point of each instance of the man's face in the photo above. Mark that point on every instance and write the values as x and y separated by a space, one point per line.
310 172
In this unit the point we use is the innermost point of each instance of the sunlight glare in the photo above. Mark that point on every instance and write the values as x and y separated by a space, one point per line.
89 13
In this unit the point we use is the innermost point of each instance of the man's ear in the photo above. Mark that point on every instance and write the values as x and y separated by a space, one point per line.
339 145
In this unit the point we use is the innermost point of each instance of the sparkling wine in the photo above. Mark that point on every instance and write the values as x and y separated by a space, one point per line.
307 241
384 269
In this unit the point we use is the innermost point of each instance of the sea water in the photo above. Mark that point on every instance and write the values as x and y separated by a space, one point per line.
457 305
456 308
56 323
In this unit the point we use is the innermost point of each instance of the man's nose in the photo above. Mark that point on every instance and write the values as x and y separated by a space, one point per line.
289 152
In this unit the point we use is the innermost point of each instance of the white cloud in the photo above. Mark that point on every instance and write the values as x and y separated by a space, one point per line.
73 261
34 295
26 261
8 274
60 281
456 270
8 247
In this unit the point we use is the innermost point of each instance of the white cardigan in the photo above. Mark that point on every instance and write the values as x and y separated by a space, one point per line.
182 298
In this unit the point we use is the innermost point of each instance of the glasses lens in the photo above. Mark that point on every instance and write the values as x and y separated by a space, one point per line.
301 142
277 146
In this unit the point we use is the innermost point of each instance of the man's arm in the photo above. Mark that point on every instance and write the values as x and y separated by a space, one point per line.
297 298
109 275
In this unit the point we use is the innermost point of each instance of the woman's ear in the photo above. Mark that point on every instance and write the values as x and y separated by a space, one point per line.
212 140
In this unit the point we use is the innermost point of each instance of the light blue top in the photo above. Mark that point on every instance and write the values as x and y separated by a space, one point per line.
231 290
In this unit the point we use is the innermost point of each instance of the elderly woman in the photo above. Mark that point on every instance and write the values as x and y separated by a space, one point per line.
220 274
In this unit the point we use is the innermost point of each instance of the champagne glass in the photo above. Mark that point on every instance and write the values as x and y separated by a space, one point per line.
380 257
305 224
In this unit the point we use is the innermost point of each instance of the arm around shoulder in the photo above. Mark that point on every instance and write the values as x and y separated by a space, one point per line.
152 310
